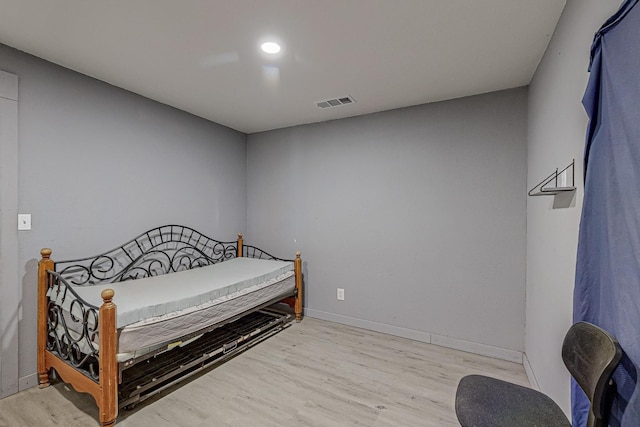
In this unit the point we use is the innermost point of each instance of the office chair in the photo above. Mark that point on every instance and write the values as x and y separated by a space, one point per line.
589 353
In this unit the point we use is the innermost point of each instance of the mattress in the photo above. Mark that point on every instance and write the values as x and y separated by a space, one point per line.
157 311
171 327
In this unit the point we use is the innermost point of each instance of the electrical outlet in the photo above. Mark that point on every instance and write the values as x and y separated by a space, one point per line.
24 221
340 294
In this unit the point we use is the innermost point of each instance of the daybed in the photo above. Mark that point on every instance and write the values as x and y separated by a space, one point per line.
185 302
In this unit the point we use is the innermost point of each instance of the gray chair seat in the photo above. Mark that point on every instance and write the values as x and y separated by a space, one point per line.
484 401
590 354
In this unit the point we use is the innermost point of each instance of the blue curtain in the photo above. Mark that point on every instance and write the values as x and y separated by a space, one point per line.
607 288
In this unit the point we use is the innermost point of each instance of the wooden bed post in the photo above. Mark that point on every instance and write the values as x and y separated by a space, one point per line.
108 403
45 264
298 273
240 242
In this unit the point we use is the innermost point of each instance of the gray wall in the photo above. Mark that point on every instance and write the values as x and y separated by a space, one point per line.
418 213
9 270
556 131
97 165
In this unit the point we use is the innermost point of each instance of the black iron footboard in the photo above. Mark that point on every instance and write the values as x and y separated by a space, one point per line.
72 327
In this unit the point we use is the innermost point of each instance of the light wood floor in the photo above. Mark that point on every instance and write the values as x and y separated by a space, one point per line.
314 373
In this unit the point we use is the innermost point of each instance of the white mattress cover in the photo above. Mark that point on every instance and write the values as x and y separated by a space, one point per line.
151 297
168 330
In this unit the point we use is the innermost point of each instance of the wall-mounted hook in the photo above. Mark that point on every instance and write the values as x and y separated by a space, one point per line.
557 182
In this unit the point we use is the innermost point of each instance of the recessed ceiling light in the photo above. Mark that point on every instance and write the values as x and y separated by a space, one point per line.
270 47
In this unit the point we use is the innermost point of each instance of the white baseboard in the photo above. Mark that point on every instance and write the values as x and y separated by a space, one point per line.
372 326
529 370
27 382
443 341
477 348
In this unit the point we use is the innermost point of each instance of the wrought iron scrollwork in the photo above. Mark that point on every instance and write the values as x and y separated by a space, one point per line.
162 250
249 251
72 326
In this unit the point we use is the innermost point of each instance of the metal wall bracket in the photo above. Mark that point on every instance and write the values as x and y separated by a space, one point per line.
558 182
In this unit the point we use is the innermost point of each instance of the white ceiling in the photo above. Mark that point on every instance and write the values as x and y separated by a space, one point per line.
202 56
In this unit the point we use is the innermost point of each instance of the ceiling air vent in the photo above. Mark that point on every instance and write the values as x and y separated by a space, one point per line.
336 102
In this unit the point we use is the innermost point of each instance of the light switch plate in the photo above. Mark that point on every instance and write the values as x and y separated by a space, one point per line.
24 221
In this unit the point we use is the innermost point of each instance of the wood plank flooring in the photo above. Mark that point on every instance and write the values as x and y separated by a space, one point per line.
314 373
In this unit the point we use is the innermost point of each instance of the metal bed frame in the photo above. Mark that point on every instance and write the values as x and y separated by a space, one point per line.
66 344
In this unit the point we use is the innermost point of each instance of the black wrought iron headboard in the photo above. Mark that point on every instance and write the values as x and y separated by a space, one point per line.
161 250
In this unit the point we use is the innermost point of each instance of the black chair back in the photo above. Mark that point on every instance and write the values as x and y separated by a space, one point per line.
591 354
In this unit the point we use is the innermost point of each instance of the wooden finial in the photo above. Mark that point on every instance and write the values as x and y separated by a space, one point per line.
240 246
298 254
107 295
45 252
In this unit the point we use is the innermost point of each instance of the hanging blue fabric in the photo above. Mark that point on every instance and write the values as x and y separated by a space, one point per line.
607 288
